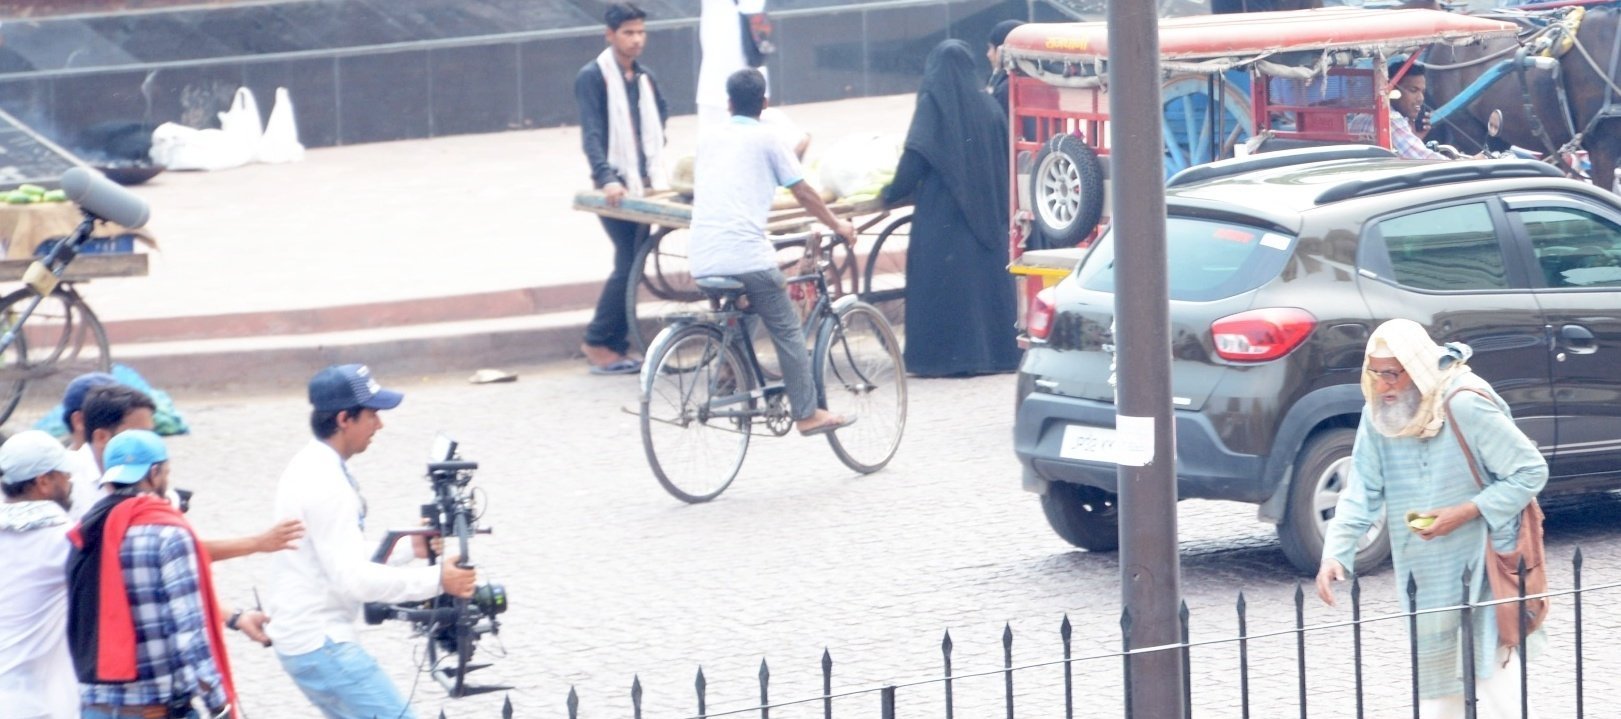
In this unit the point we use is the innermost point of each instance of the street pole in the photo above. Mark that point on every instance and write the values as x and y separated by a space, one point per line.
1150 574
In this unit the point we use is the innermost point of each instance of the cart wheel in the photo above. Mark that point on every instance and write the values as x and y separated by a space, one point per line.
1195 136
61 340
883 285
1066 191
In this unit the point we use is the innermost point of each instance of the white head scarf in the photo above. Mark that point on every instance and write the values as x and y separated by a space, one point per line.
1433 367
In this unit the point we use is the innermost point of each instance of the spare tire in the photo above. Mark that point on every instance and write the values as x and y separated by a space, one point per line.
1066 192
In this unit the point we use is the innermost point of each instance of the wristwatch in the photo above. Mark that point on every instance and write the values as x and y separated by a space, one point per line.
231 623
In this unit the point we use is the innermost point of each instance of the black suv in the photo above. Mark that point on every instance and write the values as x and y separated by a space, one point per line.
1281 265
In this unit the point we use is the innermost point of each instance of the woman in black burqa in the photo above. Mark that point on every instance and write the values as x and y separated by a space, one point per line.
960 303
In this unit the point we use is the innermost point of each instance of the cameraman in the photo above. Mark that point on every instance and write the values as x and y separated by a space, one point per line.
319 587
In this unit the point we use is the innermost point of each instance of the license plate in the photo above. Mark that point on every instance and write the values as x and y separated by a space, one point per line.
1093 444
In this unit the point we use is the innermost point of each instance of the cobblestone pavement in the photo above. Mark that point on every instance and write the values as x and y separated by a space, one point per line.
611 579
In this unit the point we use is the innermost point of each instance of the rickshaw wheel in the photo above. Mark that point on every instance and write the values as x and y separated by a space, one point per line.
1066 190
1192 135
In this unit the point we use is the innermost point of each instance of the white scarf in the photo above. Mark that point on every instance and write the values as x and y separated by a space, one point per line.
622 133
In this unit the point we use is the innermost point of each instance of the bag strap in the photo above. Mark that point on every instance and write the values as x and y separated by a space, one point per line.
1468 454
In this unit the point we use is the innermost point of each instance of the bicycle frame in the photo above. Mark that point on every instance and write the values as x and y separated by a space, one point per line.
44 275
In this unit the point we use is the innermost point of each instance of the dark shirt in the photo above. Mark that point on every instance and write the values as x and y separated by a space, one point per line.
591 94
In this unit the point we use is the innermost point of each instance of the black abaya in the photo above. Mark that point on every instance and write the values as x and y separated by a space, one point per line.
960 303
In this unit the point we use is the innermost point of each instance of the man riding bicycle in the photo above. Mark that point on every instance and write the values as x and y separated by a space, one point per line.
735 176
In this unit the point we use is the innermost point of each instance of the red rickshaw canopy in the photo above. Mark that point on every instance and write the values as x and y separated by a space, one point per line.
1262 33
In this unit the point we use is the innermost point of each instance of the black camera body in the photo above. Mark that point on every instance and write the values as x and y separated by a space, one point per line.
451 626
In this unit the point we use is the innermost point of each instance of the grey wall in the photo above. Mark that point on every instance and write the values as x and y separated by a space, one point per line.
417 90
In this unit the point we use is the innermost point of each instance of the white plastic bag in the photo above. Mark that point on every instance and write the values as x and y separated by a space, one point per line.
242 119
280 142
179 147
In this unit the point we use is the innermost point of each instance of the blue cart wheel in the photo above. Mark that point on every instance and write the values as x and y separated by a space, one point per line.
1194 136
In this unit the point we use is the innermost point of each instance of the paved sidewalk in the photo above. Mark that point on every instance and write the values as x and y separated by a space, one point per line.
388 237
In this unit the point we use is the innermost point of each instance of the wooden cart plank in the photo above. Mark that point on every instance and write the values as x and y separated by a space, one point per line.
85 267
666 209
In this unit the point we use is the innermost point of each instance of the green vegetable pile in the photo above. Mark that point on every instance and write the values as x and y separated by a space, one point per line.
30 194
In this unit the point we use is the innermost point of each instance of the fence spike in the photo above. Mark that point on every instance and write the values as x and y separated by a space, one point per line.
1065 631
1467 624
1300 643
506 707
827 684
1412 636
765 697
573 703
701 686
1243 658
1576 570
945 652
1007 665
1356 638
1187 662
635 696
441 714
1125 653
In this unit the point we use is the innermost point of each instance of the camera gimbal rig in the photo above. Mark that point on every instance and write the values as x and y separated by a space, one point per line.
451 625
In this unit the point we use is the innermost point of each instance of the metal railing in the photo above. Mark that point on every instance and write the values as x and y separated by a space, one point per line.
886 695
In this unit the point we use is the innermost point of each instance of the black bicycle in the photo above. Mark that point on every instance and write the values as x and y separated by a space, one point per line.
704 391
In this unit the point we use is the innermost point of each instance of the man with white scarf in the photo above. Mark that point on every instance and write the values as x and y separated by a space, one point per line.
1405 460
622 118
36 669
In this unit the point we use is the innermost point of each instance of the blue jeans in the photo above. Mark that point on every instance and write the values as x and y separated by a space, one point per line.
344 682
767 291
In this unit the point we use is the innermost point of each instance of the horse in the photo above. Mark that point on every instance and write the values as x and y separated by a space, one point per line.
1536 115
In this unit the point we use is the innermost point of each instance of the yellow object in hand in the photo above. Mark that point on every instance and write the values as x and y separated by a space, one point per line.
1417 521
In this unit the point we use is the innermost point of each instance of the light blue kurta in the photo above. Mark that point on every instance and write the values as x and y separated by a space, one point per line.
1394 476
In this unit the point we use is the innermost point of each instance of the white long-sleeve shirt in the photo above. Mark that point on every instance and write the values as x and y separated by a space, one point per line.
720 38
36 670
317 589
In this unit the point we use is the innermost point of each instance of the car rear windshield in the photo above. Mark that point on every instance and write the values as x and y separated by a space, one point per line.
1209 259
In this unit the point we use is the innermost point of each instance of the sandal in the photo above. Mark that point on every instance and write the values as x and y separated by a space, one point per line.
827 427
624 365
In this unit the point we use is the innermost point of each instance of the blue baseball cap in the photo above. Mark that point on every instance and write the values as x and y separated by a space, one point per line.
79 388
130 454
350 385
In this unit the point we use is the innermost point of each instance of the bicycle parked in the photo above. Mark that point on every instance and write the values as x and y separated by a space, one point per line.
63 337
704 390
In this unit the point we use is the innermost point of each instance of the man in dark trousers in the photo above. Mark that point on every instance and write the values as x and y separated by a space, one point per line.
145 633
622 130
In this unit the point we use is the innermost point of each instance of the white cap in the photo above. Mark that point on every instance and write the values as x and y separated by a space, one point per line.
27 455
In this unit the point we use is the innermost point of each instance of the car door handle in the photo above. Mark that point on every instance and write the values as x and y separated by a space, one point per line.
1578 339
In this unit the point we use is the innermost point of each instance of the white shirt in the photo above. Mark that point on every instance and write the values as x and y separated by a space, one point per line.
735 176
720 40
317 589
86 482
36 670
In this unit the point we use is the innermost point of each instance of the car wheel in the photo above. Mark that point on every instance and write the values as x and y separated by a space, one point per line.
1084 516
1066 192
1321 472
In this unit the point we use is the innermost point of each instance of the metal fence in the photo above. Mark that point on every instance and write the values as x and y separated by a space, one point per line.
882 700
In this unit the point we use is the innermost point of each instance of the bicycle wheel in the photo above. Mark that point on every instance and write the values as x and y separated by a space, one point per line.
860 373
884 283
61 340
695 412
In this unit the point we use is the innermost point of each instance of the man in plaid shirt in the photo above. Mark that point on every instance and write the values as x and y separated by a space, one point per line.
142 624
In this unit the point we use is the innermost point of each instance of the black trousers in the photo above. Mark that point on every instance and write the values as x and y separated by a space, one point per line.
609 326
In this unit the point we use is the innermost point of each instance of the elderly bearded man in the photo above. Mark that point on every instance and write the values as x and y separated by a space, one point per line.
1405 460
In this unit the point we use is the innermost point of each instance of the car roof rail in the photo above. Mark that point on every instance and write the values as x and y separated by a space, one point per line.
1277 159
1439 174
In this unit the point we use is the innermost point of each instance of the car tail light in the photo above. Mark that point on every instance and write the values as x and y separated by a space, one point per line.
1039 320
1261 335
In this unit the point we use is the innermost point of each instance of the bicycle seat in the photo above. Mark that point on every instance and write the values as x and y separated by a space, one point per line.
720 288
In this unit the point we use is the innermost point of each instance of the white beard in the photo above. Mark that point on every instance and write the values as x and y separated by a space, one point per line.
1391 419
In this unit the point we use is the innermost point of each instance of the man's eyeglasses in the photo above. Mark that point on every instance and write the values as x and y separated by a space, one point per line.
1388 375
